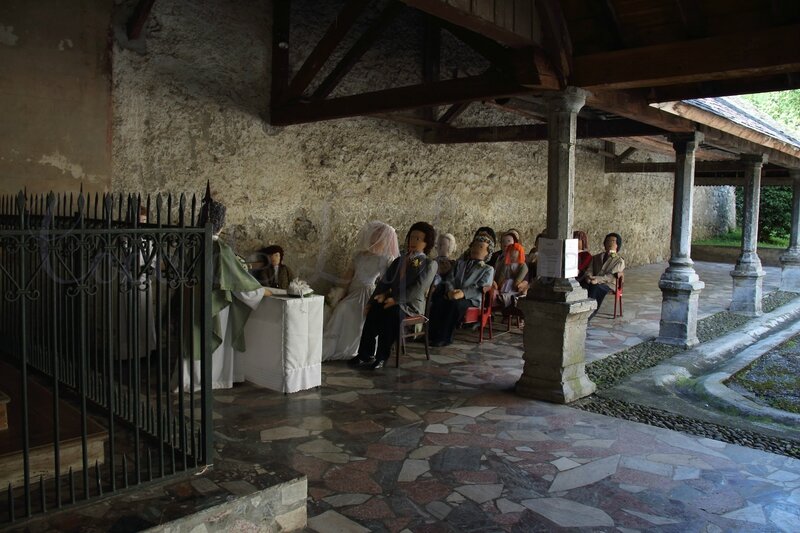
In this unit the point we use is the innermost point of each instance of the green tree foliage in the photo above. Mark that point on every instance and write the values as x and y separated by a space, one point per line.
774 212
783 106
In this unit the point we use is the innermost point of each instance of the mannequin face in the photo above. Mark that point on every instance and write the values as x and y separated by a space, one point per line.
610 244
479 250
513 255
507 240
275 259
443 247
416 241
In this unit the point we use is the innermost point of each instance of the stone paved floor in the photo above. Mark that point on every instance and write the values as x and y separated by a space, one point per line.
642 305
444 445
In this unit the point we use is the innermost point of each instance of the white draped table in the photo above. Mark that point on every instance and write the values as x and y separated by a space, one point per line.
284 344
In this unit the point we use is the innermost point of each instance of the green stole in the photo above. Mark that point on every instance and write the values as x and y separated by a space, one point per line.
230 275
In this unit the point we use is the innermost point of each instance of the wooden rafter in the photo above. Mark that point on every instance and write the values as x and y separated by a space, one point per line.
461 14
398 99
635 107
557 42
138 18
761 53
586 129
280 53
325 47
354 54
708 89
452 112
691 17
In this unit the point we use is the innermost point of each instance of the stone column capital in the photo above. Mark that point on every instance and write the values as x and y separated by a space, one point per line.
753 159
570 100
687 141
794 174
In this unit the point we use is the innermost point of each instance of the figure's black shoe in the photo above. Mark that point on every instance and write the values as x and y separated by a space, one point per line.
377 364
356 362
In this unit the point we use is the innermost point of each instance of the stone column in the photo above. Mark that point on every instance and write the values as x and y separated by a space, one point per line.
556 310
748 276
790 259
680 286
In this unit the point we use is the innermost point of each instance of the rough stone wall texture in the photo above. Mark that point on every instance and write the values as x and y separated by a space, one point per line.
190 108
55 95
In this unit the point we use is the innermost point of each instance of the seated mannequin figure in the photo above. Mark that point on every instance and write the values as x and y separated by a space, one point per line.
400 293
445 248
274 273
510 275
234 294
376 248
601 278
511 236
462 289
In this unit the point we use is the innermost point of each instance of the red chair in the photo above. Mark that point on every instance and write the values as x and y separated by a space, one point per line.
412 321
618 294
481 315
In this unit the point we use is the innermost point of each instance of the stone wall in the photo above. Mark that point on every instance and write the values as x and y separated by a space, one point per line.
189 108
55 96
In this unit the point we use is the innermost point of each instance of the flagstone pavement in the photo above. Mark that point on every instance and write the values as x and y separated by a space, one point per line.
445 445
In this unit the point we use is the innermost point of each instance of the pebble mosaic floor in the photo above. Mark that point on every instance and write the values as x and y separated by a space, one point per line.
445 445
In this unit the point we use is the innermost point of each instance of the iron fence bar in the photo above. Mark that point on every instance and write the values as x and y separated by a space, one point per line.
83 347
56 367
205 346
24 355
108 213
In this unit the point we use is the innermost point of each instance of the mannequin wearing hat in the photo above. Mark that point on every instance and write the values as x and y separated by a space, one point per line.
462 289
234 294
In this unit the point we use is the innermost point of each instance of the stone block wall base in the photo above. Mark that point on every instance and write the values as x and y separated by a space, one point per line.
555 350
747 293
678 325
790 276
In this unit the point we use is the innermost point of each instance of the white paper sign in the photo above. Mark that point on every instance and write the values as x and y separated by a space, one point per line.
557 258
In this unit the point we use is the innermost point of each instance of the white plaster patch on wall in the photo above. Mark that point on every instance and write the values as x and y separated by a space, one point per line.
7 35
63 164
63 44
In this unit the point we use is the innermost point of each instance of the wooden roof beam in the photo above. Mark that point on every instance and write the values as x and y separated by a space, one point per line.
471 20
586 129
138 18
758 53
326 45
398 99
635 107
728 134
708 89
356 51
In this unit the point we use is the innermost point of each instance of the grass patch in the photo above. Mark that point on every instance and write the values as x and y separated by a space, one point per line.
733 239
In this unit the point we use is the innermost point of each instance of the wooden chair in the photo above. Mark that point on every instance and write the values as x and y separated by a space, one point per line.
618 294
482 315
412 321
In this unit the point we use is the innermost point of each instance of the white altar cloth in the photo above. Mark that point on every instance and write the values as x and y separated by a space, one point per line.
284 344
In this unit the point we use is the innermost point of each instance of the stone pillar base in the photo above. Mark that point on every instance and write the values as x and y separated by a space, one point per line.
747 290
555 350
680 292
790 271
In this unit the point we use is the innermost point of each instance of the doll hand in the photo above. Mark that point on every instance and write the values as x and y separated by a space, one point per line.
494 285
267 292
457 294
389 302
380 298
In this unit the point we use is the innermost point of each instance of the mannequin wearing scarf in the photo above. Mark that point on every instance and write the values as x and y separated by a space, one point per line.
604 269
